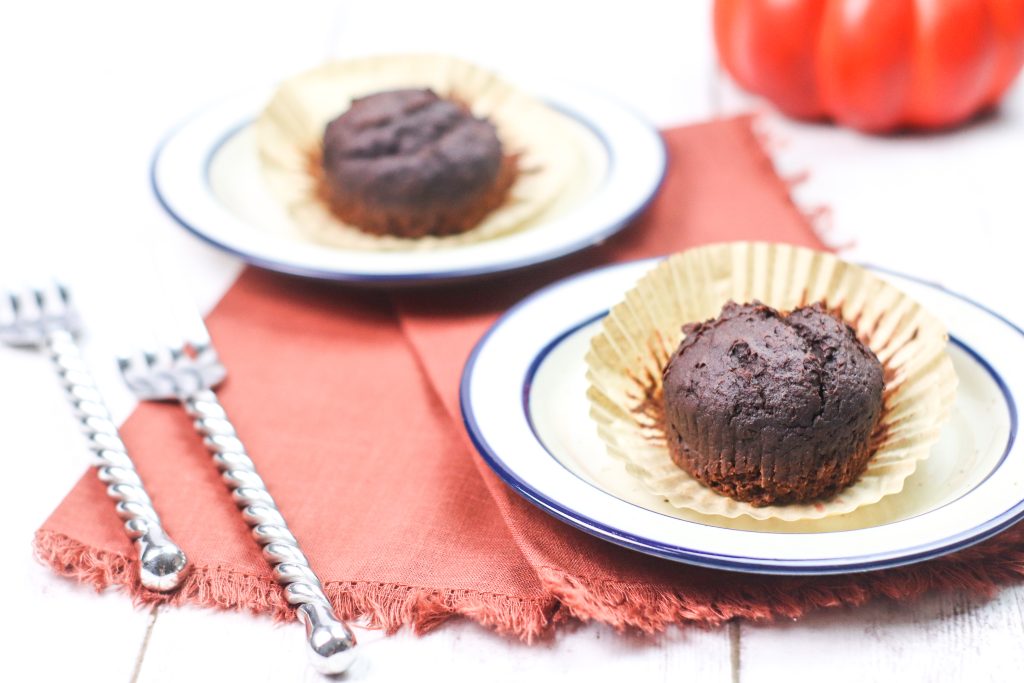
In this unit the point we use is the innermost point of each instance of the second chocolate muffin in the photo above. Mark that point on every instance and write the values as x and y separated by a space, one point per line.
769 408
410 164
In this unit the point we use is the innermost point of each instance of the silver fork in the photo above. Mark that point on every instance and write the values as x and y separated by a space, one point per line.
188 372
45 318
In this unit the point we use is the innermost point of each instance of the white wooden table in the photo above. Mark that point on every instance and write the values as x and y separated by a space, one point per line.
89 89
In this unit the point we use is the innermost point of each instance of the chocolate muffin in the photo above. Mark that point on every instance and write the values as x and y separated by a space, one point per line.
409 163
769 408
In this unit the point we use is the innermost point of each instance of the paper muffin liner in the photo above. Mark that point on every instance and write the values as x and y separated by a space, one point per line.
289 133
640 334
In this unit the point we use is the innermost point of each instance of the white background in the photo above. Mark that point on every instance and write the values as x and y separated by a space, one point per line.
88 89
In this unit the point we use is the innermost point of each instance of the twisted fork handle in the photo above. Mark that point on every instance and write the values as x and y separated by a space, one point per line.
330 640
162 564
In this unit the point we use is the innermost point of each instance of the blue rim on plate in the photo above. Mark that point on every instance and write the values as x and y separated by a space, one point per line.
584 107
727 561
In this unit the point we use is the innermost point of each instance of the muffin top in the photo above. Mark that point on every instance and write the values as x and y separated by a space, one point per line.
407 148
759 381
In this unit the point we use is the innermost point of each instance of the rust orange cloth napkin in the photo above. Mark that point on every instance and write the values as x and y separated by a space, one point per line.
347 401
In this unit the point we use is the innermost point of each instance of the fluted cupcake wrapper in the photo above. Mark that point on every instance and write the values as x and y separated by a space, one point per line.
554 152
639 335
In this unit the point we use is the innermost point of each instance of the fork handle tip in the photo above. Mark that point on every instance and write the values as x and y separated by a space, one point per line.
331 643
162 566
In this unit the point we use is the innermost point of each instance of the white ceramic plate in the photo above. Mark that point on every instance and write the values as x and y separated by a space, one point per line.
525 407
206 174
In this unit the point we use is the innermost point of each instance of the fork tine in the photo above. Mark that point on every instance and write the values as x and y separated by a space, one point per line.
28 308
64 292
8 309
53 302
135 369
44 303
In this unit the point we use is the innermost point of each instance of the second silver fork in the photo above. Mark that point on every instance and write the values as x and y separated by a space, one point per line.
188 373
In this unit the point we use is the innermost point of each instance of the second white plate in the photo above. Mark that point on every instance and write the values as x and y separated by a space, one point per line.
525 407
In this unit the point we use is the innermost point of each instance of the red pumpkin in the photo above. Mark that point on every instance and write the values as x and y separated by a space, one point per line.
876 65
